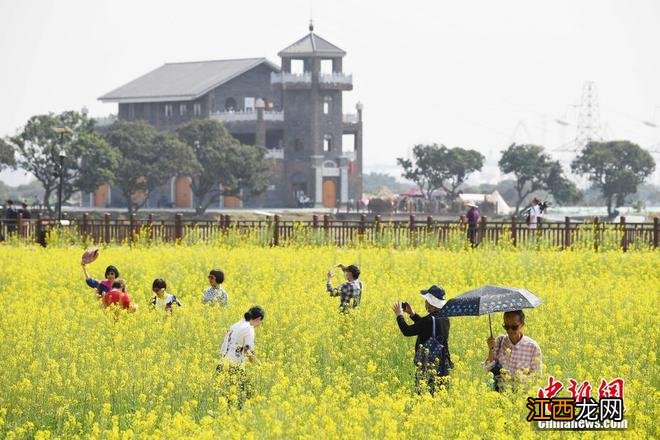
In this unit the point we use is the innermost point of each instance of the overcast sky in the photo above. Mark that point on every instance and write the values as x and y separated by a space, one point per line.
476 74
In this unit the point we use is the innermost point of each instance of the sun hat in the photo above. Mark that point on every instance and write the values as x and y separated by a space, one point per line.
435 295
90 255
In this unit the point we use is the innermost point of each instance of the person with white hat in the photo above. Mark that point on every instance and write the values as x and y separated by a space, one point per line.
426 327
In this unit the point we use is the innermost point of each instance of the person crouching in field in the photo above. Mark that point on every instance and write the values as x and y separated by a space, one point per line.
349 292
514 357
237 346
432 360
102 286
119 297
215 294
161 299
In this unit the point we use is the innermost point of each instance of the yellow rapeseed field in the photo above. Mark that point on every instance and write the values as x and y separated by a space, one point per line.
71 369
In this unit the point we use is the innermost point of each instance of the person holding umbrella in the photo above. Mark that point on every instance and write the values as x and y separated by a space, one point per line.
510 356
432 333
514 356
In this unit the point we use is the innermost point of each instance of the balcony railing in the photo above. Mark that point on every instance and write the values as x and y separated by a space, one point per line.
350 118
275 153
105 121
350 155
290 78
246 116
336 78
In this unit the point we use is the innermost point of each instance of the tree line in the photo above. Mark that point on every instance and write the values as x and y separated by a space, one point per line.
135 158
615 168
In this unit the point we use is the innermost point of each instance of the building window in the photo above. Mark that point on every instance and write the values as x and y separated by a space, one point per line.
248 104
327 143
326 66
327 101
169 110
183 109
197 109
297 67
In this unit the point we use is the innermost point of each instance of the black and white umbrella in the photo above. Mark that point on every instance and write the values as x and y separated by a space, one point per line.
490 299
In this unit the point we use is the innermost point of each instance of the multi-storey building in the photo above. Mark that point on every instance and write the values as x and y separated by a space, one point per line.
294 111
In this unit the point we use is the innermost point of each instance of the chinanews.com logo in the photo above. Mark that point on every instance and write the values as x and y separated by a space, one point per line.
580 411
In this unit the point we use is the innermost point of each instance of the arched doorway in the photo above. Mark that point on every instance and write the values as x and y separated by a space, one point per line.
230 105
329 193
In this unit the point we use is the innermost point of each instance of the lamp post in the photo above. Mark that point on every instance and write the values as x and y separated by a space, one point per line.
60 187
62 155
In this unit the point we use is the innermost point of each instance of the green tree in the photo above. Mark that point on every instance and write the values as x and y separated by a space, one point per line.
7 158
563 190
457 164
148 159
616 168
534 170
374 181
424 169
438 167
240 169
89 161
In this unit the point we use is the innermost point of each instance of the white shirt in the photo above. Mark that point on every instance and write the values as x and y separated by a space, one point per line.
238 340
167 301
534 214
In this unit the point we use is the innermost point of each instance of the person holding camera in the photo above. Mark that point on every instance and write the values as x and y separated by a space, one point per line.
535 214
349 292
512 357
432 358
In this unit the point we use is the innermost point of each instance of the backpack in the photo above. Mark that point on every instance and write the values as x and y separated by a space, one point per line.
433 354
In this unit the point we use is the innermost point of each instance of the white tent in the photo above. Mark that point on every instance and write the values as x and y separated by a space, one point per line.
501 207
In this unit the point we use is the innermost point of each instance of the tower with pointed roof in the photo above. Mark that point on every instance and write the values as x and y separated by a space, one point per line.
295 112
315 161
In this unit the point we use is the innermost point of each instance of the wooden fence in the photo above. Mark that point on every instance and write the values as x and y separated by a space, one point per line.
274 231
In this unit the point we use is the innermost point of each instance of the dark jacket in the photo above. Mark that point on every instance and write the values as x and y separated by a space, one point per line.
473 216
421 327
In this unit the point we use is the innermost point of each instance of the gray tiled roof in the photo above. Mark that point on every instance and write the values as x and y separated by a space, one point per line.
183 81
312 45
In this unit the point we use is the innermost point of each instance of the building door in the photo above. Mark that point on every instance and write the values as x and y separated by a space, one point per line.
101 196
232 202
182 192
329 193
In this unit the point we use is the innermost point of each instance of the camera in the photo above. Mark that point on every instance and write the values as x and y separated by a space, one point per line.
544 205
404 305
